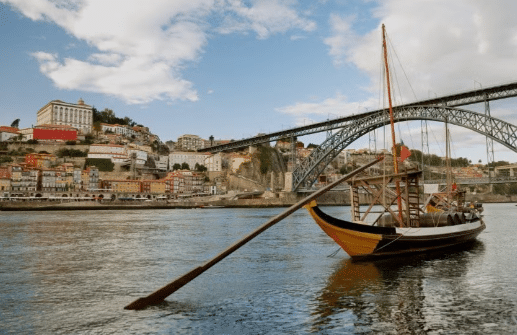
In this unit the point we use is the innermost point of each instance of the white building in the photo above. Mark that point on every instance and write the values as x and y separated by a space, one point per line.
191 158
214 163
161 163
118 129
116 153
139 156
7 133
78 115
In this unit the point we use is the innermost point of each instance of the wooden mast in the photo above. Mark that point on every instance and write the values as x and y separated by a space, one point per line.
392 123
448 164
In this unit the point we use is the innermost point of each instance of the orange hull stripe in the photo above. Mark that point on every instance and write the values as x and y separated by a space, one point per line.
354 243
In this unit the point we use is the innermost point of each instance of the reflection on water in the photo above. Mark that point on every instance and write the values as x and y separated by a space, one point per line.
73 272
413 295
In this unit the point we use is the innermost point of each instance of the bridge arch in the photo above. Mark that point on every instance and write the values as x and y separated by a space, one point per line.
312 166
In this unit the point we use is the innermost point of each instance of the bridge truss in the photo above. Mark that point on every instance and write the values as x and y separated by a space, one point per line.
352 127
310 168
454 100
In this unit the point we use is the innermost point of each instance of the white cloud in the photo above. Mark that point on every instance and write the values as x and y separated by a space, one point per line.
330 107
141 49
264 17
106 59
444 46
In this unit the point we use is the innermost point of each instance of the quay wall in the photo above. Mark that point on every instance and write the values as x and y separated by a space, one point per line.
283 200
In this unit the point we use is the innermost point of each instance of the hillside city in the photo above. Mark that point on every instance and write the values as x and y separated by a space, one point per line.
76 151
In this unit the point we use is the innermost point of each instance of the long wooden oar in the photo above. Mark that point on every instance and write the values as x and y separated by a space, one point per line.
162 293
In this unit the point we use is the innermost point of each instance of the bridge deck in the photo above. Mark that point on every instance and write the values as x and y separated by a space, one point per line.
454 100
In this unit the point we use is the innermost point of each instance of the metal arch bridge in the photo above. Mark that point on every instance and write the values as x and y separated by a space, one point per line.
454 100
353 127
308 170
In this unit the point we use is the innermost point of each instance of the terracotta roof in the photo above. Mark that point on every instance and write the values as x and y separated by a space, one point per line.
6 129
107 145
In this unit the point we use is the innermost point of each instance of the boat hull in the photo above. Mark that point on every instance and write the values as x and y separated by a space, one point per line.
362 241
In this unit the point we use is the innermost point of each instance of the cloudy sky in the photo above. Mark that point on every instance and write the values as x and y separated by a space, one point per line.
234 68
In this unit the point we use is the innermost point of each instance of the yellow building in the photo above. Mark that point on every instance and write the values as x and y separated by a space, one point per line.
154 186
5 185
126 186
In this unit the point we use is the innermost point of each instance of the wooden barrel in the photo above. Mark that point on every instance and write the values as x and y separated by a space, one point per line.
437 220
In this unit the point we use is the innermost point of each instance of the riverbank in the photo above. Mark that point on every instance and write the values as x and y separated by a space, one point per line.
326 200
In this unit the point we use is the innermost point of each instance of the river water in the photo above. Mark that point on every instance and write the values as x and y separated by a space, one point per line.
72 272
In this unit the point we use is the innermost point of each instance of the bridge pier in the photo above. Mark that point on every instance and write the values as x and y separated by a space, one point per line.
288 182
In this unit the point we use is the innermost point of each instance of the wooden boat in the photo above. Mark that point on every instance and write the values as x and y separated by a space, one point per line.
416 230
403 226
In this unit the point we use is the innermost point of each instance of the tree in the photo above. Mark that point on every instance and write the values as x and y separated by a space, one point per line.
5 159
176 166
345 169
97 127
200 167
185 166
15 123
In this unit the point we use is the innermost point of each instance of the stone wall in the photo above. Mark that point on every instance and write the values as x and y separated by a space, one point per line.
50 147
236 182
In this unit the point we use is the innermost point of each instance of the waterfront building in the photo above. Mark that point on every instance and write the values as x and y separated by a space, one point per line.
29 181
77 178
188 181
198 182
122 186
176 182
15 171
57 112
90 179
5 181
93 174
48 180
7 133
185 182
5 186
64 180
154 186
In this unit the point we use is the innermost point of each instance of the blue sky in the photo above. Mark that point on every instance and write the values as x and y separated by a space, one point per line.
234 68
